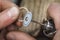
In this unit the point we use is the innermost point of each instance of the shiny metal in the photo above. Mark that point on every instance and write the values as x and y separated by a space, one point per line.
49 28
51 34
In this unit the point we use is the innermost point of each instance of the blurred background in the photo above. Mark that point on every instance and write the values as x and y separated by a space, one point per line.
39 11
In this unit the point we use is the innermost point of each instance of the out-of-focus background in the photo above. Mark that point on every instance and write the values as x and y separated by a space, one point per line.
39 11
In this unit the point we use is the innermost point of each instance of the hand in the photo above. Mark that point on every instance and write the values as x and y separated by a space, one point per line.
54 12
9 13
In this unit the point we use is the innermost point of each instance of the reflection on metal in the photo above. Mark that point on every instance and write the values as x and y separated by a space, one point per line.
49 28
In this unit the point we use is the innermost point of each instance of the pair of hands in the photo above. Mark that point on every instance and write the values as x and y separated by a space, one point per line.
9 13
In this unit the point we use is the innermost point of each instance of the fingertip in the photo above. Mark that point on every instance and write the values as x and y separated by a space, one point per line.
8 16
10 36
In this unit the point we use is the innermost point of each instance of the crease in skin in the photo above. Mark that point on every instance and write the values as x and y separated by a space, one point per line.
12 12
22 36
9 13
9 17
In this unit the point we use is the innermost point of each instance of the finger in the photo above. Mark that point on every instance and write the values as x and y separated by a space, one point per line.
5 4
9 14
54 12
11 27
19 36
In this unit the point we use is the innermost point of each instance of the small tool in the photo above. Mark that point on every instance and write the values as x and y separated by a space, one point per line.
48 27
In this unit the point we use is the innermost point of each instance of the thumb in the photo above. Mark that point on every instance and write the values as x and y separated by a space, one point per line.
8 16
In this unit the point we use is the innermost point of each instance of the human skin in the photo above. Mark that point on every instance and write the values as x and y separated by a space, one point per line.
54 13
5 6
9 13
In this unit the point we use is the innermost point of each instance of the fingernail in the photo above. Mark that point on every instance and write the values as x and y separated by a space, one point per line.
10 37
13 12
